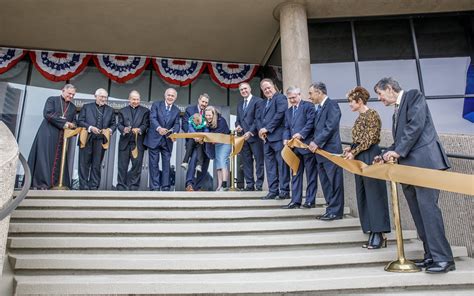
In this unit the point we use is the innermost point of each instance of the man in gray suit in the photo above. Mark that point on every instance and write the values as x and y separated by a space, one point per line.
416 143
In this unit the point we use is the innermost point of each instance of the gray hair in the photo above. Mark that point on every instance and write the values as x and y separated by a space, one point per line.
385 82
101 90
205 95
320 86
68 86
134 92
293 90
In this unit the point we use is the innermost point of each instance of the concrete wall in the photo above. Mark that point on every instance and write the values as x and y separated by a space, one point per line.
457 208
8 164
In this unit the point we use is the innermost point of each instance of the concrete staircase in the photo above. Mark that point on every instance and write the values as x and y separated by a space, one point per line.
149 243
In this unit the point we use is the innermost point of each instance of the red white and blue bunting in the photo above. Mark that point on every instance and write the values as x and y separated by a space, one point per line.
121 68
231 75
58 66
179 72
9 57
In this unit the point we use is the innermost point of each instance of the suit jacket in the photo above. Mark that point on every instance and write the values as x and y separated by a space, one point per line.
302 122
158 119
326 128
273 117
88 117
248 119
415 137
141 121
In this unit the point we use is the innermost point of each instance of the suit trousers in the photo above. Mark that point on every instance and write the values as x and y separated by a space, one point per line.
308 164
159 180
129 179
278 172
196 179
332 183
252 154
423 204
90 159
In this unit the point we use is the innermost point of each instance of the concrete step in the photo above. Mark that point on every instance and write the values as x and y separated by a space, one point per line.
153 204
136 195
181 228
223 262
320 280
164 215
177 242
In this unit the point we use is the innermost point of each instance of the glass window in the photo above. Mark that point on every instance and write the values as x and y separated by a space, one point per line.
275 57
384 40
338 77
443 36
330 42
204 84
444 76
38 80
89 80
140 84
12 92
158 87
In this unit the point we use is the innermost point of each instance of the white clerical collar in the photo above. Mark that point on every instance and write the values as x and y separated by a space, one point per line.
399 98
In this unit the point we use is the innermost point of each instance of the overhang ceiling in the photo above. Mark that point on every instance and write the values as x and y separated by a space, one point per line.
220 30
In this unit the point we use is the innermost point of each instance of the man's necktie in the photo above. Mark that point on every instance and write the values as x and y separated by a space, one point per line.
318 109
395 115
268 104
293 117
167 113
245 104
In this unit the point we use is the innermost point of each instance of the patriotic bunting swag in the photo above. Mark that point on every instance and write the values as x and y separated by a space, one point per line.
9 57
231 75
121 68
57 66
179 72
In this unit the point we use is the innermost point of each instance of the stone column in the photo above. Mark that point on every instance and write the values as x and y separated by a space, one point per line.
296 65
8 162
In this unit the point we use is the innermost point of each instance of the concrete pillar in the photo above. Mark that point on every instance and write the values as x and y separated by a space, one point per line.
8 162
296 65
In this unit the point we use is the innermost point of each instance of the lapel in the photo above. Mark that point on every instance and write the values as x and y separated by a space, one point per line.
318 116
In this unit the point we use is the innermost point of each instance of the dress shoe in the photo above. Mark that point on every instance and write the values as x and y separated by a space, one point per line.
292 205
330 217
189 188
369 241
258 188
423 263
283 196
378 241
249 189
321 216
308 206
270 196
441 267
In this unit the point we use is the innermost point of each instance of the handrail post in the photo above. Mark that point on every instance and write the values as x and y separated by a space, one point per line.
402 264
232 163
63 160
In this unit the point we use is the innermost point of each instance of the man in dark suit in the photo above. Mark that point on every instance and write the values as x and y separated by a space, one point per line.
416 143
327 137
196 181
246 124
164 120
271 124
299 124
96 117
133 121
45 155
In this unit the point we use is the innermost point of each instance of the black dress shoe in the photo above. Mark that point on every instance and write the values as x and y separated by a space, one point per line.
270 196
308 206
321 216
423 263
292 205
330 217
441 267
283 196
378 241
258 188
249 189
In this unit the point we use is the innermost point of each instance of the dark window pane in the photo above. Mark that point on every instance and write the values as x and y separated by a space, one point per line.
443 36
330 42
384 40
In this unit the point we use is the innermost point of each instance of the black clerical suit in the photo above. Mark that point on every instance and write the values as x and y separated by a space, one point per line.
45 154
90 157
138 117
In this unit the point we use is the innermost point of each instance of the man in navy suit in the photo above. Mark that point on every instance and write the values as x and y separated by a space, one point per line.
299 124
327 137
271 125
416 143
164 120
95 117
133 121
246 124
195 182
